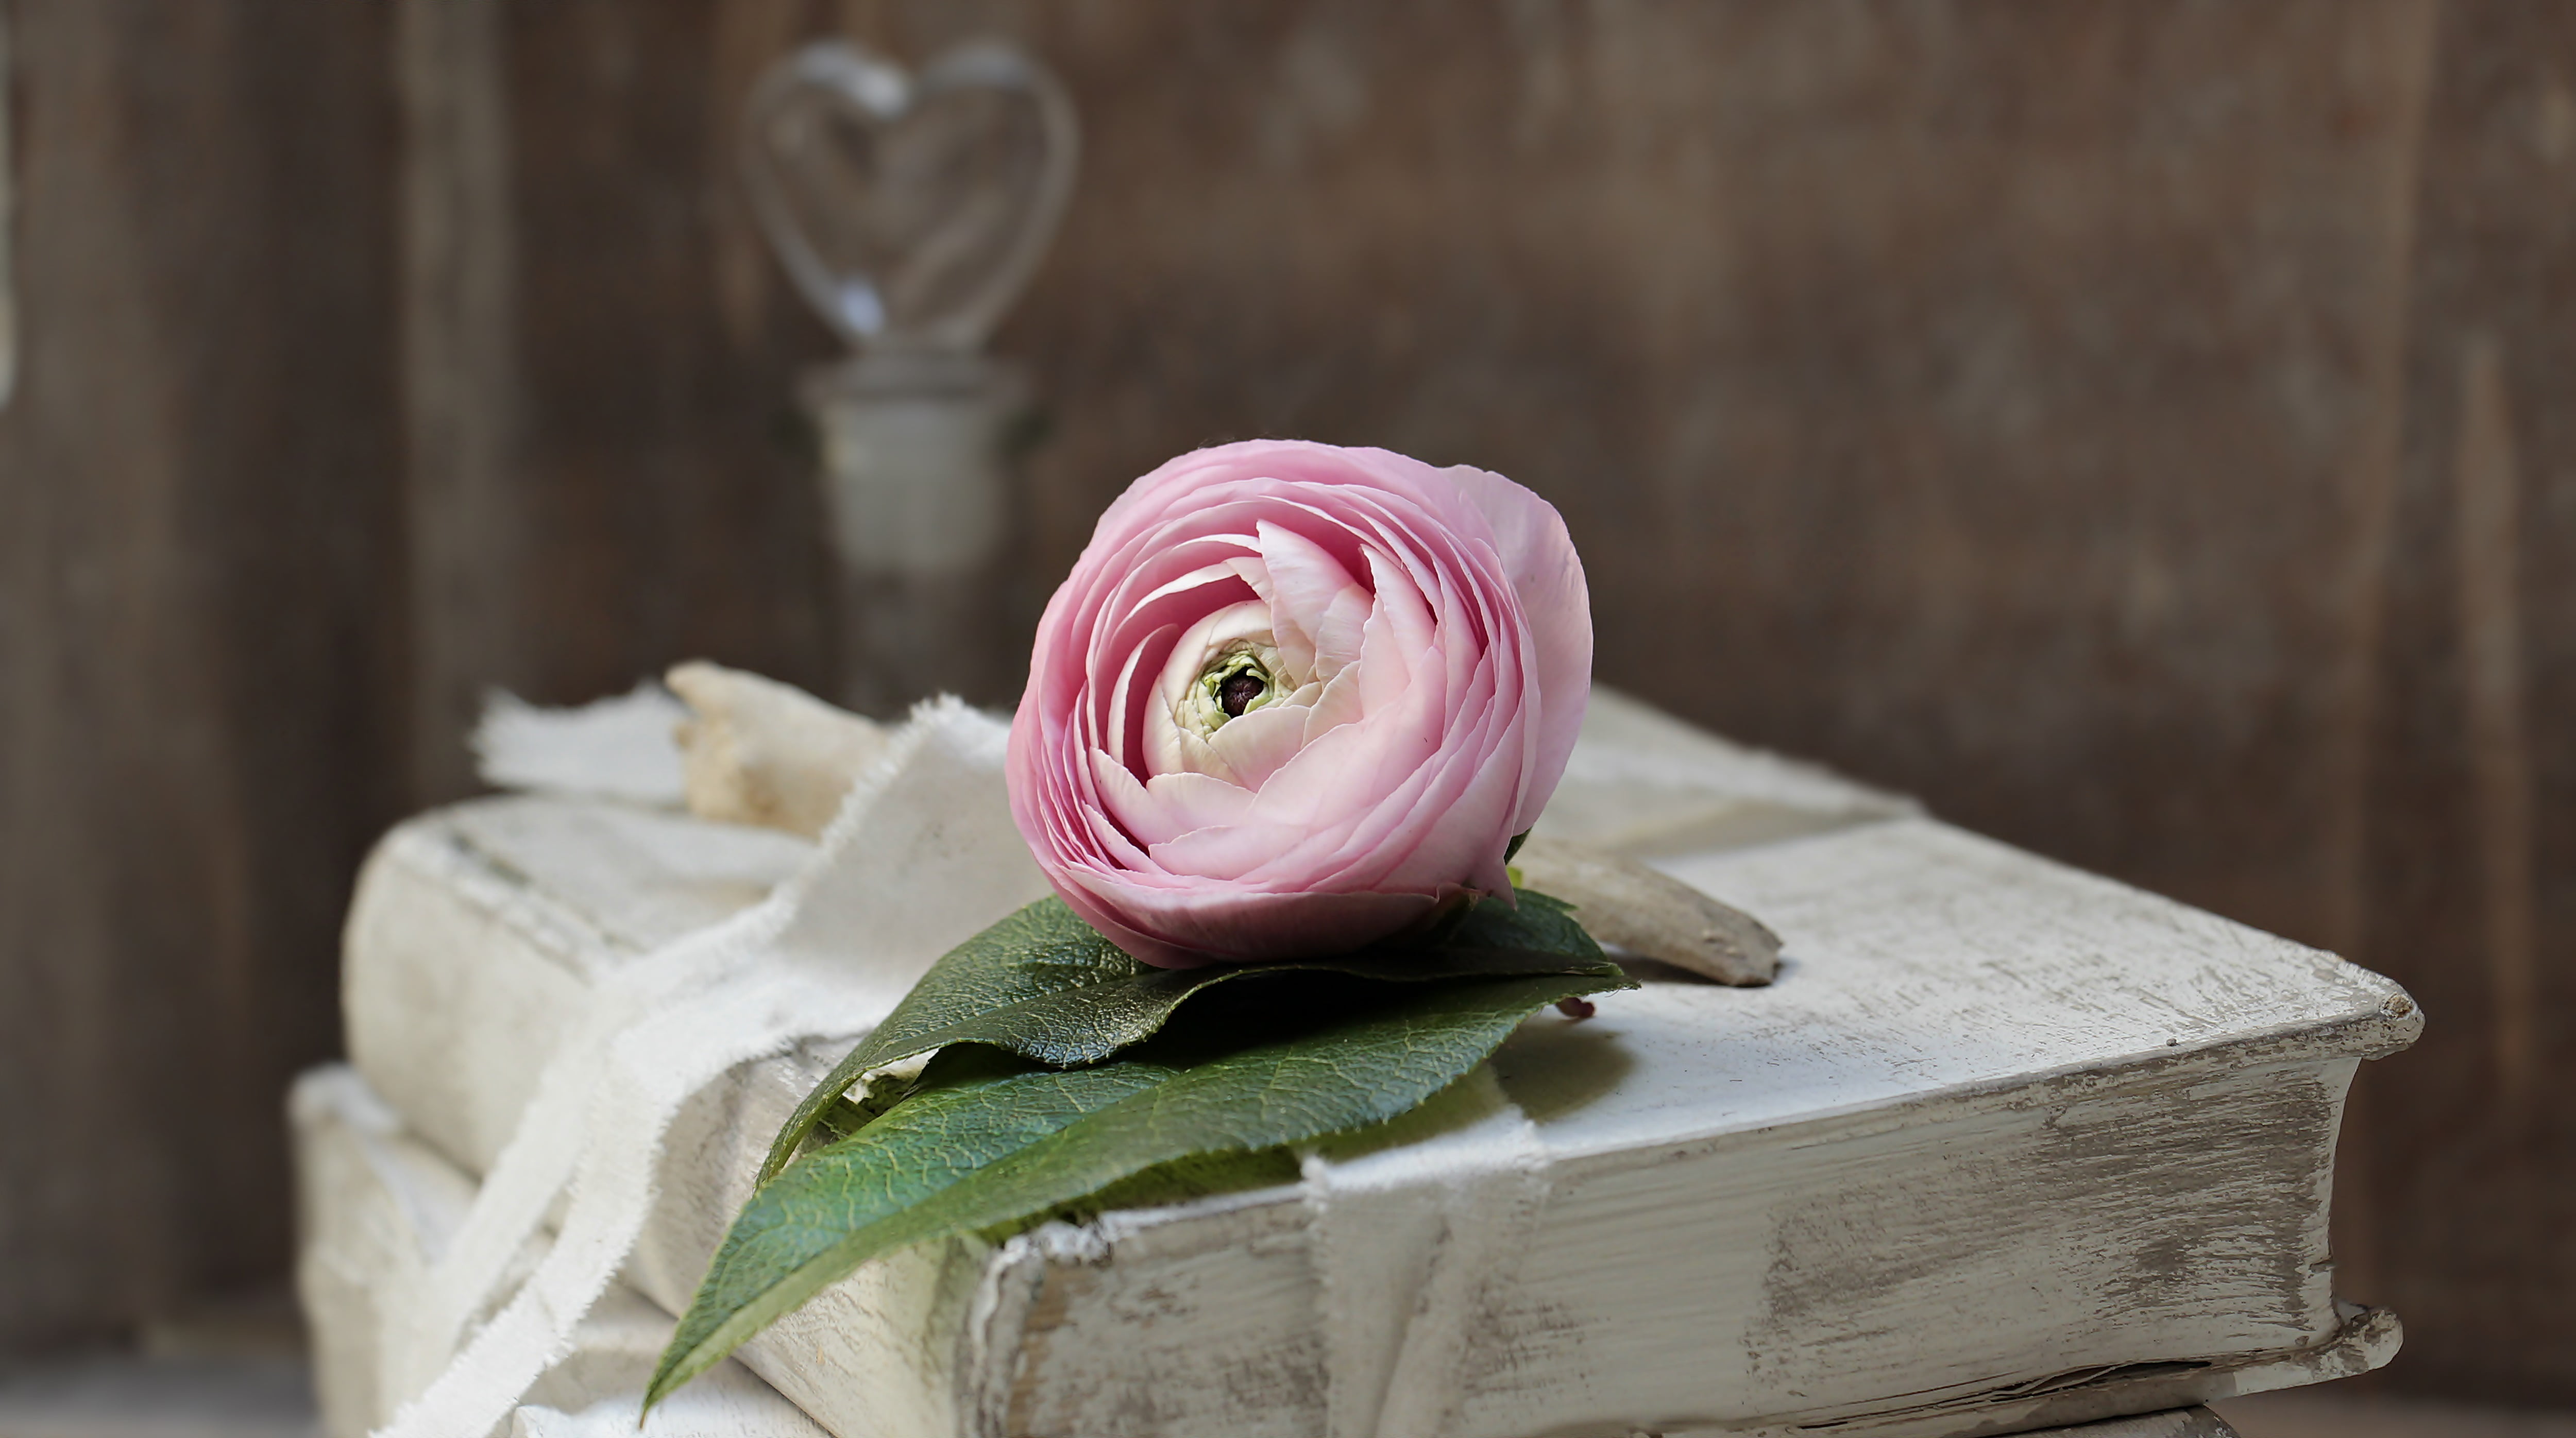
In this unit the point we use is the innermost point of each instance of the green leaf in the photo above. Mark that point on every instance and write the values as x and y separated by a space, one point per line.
981 1145
978 1106
1541 925
1166 1184
1046 986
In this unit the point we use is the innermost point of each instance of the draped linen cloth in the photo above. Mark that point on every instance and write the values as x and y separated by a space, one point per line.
383 1206
922 856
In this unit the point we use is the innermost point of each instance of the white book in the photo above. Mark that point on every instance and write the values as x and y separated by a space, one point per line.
376 1205
2006 1146
374 1209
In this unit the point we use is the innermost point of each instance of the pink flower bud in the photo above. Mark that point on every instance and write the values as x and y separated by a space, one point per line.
1295 698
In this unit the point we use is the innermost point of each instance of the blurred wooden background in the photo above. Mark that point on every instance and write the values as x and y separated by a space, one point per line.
2144 430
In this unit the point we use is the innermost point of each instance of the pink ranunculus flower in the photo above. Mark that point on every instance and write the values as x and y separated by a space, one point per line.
1295 698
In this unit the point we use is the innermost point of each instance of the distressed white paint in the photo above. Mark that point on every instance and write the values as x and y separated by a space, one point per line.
1643 782
376 1205
2095 1125
478 932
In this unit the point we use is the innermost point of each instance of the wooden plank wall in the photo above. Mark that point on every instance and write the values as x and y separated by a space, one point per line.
2467 1152
2139 428
196 513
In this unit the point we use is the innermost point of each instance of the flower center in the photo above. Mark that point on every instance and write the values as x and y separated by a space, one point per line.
1236 681
1242 688
1226 667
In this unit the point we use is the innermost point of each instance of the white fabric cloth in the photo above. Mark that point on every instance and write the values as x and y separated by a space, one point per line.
619 747
379 1208
922 856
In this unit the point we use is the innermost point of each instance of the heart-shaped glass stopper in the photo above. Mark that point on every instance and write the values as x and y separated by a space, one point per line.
910 211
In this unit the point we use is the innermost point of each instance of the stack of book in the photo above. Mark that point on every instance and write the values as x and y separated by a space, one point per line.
2004 1147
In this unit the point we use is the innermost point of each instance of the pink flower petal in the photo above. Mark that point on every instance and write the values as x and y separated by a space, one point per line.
1253 746
1316 606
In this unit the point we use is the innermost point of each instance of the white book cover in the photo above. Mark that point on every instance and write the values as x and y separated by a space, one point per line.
2005 1145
